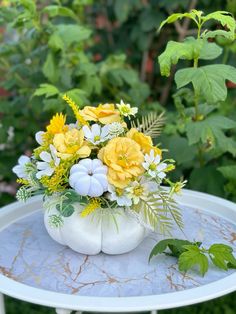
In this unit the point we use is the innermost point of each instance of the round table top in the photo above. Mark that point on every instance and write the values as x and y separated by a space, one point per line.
35 268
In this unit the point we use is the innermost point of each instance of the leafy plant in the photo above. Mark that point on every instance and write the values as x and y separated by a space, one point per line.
191 254
208 132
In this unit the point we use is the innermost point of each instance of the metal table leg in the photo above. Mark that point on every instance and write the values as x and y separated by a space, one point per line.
2 307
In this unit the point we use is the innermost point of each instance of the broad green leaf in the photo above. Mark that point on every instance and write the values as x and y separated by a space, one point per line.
50 68
177 16
175 245
208 81
207 179
122 9
46 89
210 51
226 20
221 255
79 96
193 257
56 10
30 5
66 209
187 50
55 42
229 172
72 33
211 133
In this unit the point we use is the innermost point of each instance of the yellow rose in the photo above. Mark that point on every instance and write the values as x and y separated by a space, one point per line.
144 141
71 143
103 113
124 159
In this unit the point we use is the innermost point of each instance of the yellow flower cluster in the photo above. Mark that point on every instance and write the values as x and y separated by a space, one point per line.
123 155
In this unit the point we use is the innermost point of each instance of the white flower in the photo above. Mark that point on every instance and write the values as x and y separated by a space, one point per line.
89 177
39 137
96 134
20 169
126 110
115 129
119 195
141 189
154 167
49 163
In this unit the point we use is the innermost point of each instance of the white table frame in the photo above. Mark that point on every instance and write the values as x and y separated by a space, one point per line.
67 302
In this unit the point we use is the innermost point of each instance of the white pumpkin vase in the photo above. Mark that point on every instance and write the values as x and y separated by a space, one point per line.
110 232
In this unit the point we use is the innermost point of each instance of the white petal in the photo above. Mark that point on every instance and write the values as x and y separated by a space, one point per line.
82 186
45 156
53 151
96 130
157 159
105 131
47 172
161 167
41 165
161 175
23 160
39 137
19 171
87 132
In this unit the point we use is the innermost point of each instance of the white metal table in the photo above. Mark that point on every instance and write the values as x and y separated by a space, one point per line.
36 269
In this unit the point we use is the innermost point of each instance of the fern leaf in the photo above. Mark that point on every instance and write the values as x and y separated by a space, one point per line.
150 125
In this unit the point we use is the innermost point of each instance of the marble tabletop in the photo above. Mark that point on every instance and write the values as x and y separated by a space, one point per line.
29 256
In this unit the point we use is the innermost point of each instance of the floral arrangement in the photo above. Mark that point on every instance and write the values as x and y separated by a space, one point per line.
103 160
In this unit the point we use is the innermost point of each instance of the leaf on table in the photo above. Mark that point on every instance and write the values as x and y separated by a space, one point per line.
193 257
222 255
208 81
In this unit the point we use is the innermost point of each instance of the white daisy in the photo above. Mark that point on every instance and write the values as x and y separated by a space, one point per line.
20 169
115 129
96 134
49 163
119 195
126 110
154 166
141 189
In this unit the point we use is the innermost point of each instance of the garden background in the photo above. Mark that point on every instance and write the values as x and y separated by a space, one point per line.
104 51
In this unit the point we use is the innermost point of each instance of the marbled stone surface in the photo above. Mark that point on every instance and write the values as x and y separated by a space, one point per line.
28 255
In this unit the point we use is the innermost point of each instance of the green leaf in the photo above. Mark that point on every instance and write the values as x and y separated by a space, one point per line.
55 42
226 20
178 16
210 132
187 50
207 179
46 89
70 34
210 51
208 81
122 9
66 209
56 10
29 5
193 257
221 255
79 96
50 68
229 172
176 246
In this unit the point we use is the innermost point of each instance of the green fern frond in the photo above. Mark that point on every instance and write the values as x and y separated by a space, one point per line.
150 125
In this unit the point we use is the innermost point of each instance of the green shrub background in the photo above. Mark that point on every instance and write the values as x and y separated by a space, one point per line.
104 51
